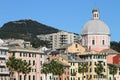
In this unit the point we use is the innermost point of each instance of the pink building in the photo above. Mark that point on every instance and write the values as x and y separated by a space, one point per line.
110 55
34 57
95 33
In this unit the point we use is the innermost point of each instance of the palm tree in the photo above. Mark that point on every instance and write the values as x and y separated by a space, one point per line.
52 67
18 66
59 70
45 69
11 63
25 68
55 68
113 70
99 69
83 68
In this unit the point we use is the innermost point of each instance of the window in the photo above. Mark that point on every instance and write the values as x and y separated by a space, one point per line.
73 63
40 62
29 55
90 76
90 56
40 78
20 54
33 77
90 70
71 71
33 70
25 54
41 56
93 42
13 54
104 63
103 42
24 77
33 62
76 45
95 63
119 73
78 78
110 78
29 62
20 77
90 63
50 77
33 55
29 77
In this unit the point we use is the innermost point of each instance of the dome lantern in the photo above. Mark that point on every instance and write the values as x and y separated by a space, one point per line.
95 13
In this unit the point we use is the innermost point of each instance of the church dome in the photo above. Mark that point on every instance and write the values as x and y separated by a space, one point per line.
95 26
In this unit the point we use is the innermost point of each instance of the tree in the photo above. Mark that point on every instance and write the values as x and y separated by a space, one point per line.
59 70
25 68
11 63
18 66
99 69
83 68
113 70
115 45
45 69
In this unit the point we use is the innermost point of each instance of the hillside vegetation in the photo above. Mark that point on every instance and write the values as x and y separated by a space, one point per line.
24 29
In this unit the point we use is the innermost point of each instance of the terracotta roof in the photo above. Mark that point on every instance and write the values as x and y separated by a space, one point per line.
65 46
20 49
109 51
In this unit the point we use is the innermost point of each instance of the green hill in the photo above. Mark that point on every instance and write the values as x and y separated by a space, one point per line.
24 29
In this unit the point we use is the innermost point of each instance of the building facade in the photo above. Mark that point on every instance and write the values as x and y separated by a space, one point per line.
4 72
59 39
34 57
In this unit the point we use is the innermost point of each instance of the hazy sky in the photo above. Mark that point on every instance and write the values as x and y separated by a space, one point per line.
68 15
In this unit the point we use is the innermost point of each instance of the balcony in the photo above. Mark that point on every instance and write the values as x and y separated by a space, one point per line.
100 60
2 64
2 56
4 73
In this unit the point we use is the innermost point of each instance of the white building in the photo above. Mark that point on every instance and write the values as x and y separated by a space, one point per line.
4 73
59 39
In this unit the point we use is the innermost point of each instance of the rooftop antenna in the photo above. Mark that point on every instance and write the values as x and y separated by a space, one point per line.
94 3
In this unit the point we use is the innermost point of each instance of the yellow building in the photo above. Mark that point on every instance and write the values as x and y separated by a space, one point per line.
69 54
74 54
92 58
71 48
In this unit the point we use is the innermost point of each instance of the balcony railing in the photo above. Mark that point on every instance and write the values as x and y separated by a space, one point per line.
2 64
4 73
100 60
2 56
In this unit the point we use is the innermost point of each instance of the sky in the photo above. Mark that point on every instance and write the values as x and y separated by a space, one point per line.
67 15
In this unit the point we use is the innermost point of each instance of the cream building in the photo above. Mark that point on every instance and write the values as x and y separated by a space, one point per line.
59 39
92 58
